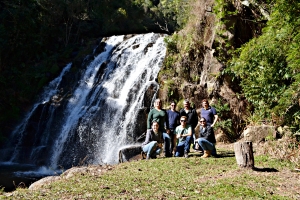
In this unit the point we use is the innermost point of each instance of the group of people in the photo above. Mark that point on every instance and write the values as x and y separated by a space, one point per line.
175 131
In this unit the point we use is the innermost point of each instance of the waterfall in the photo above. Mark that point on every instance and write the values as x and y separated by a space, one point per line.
100 114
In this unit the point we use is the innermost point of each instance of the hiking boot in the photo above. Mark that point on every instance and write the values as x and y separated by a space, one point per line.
186 155
143 155
206 154
148 157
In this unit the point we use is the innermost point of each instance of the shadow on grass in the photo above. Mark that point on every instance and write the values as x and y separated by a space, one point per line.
265 169
220 154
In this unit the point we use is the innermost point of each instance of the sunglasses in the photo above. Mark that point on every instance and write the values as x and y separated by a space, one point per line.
202 121
182 120
173 105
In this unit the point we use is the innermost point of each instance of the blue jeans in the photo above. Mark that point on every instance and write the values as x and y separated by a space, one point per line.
193 139
173 140
206 145
151 149
167 141
183 146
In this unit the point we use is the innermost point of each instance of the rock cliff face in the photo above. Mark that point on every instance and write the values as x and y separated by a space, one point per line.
201 56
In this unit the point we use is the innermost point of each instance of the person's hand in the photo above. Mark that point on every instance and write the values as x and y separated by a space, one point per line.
168 131
159 145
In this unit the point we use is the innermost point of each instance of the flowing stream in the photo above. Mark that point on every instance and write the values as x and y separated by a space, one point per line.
89 121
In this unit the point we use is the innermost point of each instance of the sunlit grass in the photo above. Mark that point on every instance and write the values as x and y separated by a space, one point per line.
171 178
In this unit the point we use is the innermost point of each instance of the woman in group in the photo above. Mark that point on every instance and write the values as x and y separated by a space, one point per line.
153 142
160 115
206 138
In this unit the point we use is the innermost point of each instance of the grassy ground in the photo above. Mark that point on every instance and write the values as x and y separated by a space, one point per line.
177 178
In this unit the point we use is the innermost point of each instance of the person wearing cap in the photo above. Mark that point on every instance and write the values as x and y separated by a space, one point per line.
160 115
174 118
183 134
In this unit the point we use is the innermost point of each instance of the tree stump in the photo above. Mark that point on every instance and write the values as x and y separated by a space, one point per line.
244 154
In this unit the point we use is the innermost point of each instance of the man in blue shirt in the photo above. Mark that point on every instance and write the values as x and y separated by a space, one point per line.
209 113
174 118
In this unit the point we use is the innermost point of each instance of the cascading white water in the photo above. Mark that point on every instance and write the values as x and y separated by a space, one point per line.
92 116
105 108
47 93
101 115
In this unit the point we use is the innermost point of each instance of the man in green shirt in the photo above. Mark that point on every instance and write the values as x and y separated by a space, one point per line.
183 134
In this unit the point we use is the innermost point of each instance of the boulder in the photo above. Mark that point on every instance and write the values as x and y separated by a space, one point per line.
258 134
130 153
94 170
44 181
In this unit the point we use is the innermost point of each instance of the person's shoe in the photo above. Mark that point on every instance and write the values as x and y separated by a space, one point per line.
143 155
148 157
197 146
168 155
174 152
206 154
186 155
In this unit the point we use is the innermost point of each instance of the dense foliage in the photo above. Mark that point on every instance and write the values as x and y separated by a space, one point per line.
269 66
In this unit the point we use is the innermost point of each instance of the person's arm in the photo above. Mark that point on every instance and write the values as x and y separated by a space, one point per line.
167 122
189 133
195 119
178 119
149 120
147 140
177 133
215 120
214 112
210 131
200 128
182 112
161 141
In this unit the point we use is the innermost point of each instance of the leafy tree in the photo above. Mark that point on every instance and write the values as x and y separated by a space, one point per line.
269 65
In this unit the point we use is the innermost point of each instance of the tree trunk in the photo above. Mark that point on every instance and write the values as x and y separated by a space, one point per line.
244 154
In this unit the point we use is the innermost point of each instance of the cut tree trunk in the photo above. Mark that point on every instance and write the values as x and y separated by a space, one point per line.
244 154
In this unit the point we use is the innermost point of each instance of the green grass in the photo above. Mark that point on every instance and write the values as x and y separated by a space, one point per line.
175 178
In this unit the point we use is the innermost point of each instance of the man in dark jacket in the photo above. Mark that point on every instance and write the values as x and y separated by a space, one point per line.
192 117
174 118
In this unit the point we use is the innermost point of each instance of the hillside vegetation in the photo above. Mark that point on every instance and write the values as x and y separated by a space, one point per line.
256 44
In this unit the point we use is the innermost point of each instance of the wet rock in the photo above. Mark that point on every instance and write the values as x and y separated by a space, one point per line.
44 181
